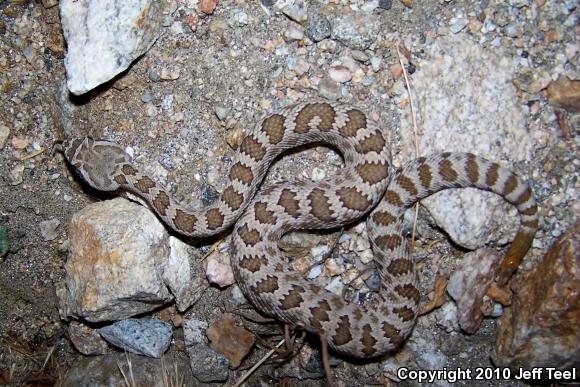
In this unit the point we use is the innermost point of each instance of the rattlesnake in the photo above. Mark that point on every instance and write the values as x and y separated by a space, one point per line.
366 183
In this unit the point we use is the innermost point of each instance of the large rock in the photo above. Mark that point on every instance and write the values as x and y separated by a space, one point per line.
148 336
105 36
542 329
114 270
183 274
466 102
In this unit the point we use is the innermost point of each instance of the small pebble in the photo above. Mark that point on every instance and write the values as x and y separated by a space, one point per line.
19 143
234 137
456 24
315 271
295 13
292 34
4 133
340 74
333 268
376 63
207 6
318 28
360 56
221 112
238 19
219 270
147 97
17 174
513 30
170 73
385 4
318 174
48 229
329 89
232 341
335 286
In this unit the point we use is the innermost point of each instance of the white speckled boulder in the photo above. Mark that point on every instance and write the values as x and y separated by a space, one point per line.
105 36
475 110
114 270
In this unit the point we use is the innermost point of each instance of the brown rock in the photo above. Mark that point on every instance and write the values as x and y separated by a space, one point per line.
397 71
230 340
565 93
207 6
86 340
192 20
542 329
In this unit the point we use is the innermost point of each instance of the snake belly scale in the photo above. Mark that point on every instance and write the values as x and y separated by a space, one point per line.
366 185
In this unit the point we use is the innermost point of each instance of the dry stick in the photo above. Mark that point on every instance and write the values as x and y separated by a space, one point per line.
325 360
48 355
212 249
32 154
258 364
415 130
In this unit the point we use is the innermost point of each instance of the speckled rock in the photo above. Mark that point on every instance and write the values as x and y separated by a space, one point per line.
356 33
105 36
467 110
542 328
113 271
148 337
86 340
317 28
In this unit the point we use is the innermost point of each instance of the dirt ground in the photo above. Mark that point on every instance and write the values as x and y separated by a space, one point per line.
173 128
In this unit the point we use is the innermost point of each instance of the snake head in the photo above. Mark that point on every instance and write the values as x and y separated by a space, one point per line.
97 162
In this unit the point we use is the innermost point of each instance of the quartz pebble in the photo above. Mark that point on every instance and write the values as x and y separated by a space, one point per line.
340 74
49 229
219 270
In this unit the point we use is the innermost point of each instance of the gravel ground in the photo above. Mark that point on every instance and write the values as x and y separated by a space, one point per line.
182 107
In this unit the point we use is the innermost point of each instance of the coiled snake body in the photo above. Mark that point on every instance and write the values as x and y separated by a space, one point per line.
365 184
